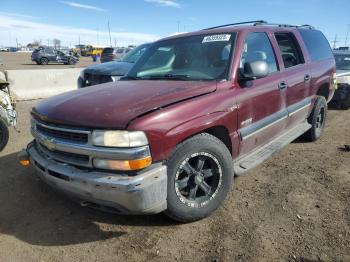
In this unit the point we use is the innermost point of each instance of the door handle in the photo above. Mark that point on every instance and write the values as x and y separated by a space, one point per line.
282 85
307 78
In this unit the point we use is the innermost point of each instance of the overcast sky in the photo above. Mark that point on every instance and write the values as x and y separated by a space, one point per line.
139 21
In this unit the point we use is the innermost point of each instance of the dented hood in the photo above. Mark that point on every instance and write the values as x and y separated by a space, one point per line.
114 105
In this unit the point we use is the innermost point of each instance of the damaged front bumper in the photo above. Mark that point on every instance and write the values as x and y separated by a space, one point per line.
144 193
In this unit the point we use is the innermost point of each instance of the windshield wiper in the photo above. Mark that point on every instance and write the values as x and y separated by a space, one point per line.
168 76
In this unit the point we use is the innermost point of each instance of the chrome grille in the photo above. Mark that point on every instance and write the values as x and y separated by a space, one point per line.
65 157
65 135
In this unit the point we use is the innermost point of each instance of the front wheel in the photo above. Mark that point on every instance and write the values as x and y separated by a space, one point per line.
4 135
200 175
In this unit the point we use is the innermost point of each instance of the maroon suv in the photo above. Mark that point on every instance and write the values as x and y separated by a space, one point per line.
195 110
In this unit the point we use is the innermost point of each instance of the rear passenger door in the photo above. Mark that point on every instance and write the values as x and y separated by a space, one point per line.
51 55
262 114
297 75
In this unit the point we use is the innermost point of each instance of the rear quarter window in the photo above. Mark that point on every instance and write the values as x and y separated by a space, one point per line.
316 44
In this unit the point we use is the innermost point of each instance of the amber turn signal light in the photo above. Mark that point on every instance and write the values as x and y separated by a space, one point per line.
24 162
124 165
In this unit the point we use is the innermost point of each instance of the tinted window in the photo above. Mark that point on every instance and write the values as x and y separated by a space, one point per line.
290 49
316 44
342 61
107 51
257 47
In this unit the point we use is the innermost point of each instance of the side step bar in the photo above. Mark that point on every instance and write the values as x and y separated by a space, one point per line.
250 161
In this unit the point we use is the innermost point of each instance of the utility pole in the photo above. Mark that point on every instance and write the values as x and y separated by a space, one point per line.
17 43
347 35
98 37
115 42
109 31
48 42
79 41
335 41
178 26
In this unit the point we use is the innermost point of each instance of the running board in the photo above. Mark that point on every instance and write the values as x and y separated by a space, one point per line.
244 164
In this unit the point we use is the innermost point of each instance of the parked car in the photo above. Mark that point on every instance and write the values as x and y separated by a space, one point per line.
113 54
110 71
46 55
342 94
8 115
195 110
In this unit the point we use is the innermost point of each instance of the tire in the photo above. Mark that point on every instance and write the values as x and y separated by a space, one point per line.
70 61
4 135
346 104
317 119
44 61
201 162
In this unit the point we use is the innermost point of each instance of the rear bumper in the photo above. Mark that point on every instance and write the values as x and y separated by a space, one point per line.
144 193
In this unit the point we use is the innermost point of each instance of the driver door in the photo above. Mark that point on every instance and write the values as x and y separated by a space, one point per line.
262 114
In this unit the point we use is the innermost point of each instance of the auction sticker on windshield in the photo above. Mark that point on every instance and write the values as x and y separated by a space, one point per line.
216 38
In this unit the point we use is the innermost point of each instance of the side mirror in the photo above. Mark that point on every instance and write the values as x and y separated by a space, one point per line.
255 70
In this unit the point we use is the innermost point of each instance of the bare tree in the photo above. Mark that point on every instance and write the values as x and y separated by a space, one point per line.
56 43
36 43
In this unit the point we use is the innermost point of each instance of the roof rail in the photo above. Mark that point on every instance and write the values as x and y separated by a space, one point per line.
283 25
240 23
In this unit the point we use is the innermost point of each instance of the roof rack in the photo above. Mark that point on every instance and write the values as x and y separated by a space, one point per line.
261 22
240 23
283 25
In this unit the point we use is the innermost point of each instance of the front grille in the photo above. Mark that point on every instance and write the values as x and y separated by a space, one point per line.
65 157
65 135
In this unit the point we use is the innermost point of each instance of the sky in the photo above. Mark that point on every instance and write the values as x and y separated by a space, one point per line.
138 21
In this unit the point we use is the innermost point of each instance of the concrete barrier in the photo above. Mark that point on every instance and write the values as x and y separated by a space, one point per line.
35 84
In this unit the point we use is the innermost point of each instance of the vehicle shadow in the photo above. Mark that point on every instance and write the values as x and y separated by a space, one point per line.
32 212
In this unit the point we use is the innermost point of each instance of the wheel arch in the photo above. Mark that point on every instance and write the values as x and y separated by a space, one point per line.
324 91
219 125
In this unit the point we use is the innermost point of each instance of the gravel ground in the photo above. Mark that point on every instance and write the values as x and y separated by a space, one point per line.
294 207
18 60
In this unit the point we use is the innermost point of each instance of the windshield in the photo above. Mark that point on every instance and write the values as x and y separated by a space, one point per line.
133 55
342 61
203 57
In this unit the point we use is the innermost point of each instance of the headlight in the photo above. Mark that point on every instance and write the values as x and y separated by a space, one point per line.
119 138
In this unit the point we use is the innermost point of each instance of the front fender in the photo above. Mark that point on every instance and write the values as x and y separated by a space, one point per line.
198 125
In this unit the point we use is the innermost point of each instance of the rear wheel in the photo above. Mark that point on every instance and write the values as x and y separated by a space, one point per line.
4 135
44 61
317 119
200 175
70 61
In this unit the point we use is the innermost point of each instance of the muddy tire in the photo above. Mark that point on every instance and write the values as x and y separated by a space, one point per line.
200 174
4 135
317 119
44 61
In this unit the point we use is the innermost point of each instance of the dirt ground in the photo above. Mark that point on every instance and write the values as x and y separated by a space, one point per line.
294 207
18 60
